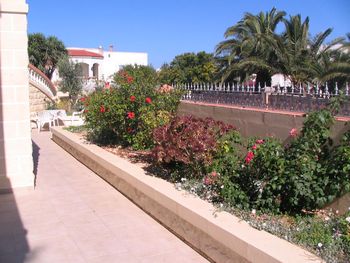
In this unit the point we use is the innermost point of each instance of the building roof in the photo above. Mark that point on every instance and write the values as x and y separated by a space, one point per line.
83 53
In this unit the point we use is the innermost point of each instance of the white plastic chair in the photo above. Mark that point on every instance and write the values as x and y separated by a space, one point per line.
44 117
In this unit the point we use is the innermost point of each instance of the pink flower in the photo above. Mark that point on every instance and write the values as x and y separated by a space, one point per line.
82 99
293 132
148 100
132 98
208 180
214 174
259 141
249 157
254 147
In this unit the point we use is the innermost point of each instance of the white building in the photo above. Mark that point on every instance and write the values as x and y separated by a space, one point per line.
100 64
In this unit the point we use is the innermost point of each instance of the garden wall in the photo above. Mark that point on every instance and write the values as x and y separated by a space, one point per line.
256 122
219 236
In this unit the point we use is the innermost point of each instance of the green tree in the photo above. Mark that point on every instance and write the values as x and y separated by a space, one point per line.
70 81
45 52
304 58
250 46
253 46
138 75
187 68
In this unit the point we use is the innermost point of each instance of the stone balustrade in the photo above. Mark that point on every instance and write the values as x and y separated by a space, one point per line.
38 79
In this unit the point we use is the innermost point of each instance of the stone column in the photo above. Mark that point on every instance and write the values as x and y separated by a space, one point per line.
16 162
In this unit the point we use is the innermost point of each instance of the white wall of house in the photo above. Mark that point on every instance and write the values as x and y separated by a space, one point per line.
112 61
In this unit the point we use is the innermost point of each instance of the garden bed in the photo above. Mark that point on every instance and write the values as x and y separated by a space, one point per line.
218 235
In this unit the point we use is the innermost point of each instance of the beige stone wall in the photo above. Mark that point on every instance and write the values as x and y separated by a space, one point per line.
38 100
16 162
254 122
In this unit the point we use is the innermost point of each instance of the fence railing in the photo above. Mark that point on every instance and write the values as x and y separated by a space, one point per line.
302 98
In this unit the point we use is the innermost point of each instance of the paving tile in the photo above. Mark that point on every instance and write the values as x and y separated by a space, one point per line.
99 246
75 216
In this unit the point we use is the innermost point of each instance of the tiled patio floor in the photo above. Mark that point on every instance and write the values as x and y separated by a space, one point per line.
74 216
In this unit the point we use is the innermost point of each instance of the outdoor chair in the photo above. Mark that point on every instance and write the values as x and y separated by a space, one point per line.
45 117
75 119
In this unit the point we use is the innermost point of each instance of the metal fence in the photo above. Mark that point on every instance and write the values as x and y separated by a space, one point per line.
304 98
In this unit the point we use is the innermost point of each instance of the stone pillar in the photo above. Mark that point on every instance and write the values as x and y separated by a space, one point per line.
16 162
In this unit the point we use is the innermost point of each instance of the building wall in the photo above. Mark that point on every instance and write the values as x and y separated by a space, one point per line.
112 61
16 162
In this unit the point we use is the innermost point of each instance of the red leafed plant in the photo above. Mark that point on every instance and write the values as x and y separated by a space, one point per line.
189 140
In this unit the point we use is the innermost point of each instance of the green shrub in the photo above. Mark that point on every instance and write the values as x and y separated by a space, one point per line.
128 113
338 169
306 177
263 171
227 163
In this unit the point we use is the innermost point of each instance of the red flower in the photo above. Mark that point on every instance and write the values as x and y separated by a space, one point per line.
86 111
254 147
293 132
107 85
148 100
82 99
249 157
129 79
102 108
259 141
131 115
132 98
130 130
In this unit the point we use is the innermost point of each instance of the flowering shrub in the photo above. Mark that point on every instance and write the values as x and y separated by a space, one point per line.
306 177
264 169
190 141
128 112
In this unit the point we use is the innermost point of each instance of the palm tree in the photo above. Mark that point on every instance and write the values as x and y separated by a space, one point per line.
253 46
250 45
301 58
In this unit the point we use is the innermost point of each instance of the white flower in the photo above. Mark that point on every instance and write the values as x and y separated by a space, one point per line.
336 212
319 245
253 211
221 205
222 187
326 218
183 179
192 189
348 219
264 224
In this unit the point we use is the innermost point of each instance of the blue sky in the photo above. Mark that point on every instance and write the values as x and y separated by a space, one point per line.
166 28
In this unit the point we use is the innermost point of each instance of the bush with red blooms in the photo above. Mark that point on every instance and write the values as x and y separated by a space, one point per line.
128 112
